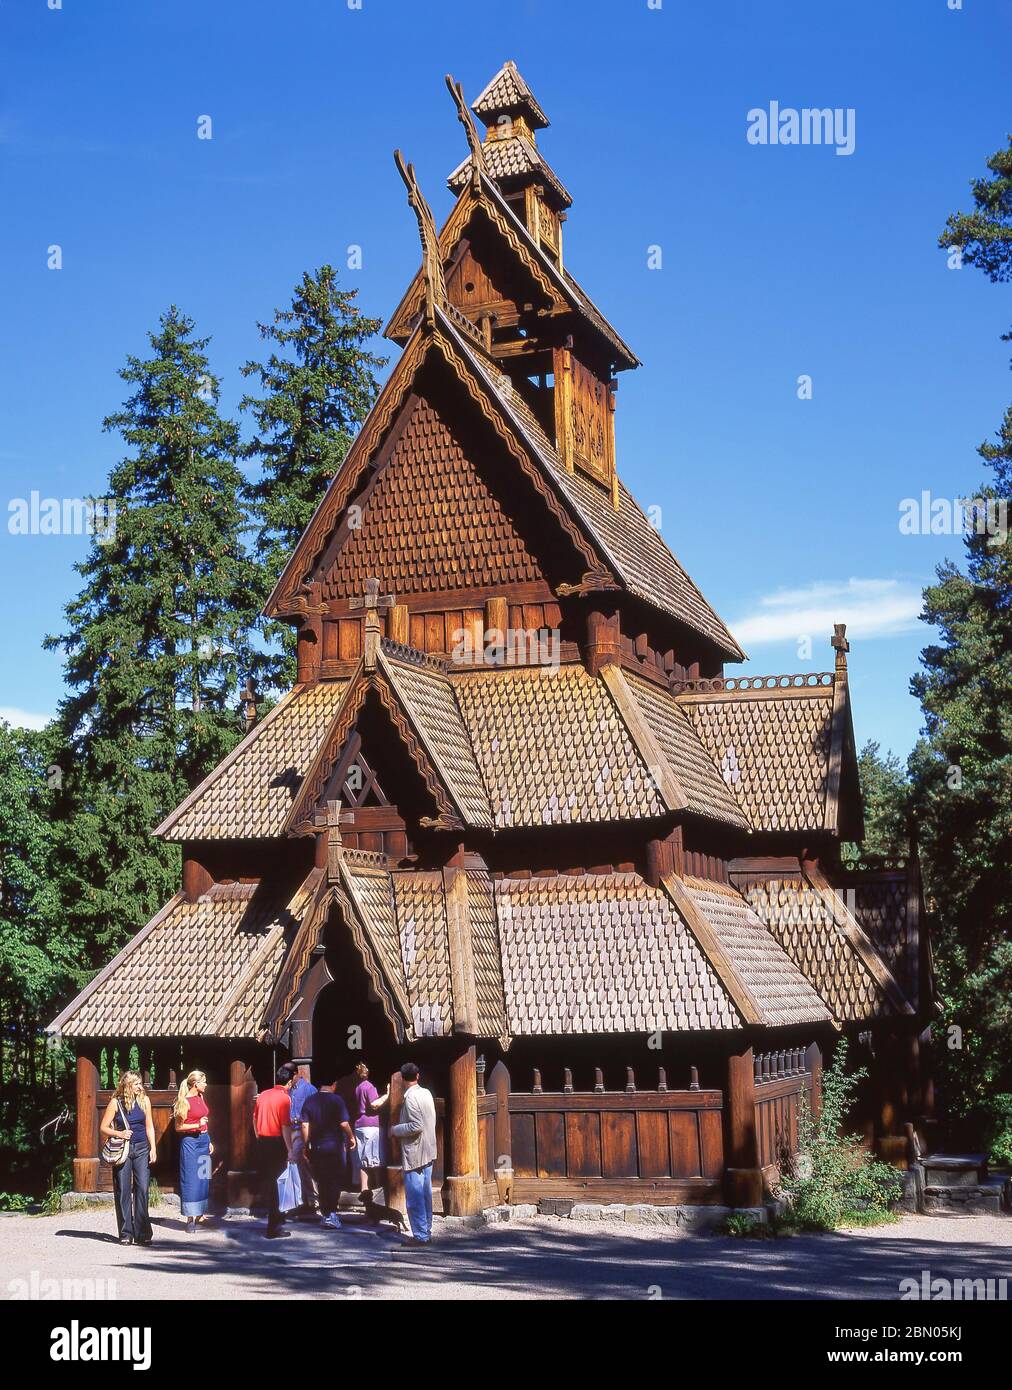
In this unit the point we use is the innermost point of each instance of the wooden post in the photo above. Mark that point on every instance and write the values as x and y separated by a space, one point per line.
502 1134
743 1178
463 1177
603 640
241 1183
394 1186
196 879
86 1162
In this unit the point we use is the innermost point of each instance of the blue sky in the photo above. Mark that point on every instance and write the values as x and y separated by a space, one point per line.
776 262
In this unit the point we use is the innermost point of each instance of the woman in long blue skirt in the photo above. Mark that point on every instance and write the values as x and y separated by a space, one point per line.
195 1148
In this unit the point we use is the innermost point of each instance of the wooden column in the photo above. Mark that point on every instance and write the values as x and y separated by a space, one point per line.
463 1177
603 643
242 1177
743 1179
87 1160
196 879
502 1133
309 648
394 1185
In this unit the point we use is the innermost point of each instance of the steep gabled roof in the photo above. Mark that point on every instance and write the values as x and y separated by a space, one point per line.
669 745
624 538
197 969
820 933
783 745
424 347
559 287
251 791
427 695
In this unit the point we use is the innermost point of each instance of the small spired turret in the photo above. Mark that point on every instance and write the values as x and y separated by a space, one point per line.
512 115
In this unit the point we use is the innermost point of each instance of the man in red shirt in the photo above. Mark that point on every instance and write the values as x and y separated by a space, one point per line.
272 1113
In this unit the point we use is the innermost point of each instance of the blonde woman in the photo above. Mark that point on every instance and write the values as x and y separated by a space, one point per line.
128 1115
195 1148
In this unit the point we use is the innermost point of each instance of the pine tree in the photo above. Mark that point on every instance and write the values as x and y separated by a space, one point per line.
157 640
317 386
962 769
983 235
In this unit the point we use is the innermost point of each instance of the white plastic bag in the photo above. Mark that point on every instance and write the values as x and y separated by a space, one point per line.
290 1188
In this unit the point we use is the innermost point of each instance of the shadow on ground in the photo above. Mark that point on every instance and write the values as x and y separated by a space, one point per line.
553 1261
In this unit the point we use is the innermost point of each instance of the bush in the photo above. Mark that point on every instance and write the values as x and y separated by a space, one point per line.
833 1181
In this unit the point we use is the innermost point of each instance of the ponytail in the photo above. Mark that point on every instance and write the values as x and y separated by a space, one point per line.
182 1106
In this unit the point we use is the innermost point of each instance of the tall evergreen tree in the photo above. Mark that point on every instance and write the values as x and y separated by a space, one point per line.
157 640
317 385
962 769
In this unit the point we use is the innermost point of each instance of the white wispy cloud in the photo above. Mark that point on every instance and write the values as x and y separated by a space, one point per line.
870 608
22 718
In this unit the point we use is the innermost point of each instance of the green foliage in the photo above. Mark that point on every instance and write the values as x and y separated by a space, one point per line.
885 792
743 1227
961 770
14 1201
156 645
985 235
832 1179
316 387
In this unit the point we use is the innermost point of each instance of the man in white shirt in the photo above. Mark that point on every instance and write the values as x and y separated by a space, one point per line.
416 1131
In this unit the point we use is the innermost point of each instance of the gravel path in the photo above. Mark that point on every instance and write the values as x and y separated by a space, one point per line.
546 1258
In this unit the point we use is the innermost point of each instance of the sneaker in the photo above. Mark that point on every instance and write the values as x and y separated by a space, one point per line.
333 1221
413 1243
279 1234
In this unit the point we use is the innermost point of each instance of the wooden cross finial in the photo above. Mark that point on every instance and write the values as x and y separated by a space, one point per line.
432 260
478 164
331 820
841 645
372 601
249 704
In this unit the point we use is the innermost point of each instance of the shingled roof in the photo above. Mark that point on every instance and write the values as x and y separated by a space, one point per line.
826 942
552 748
625 538
551 953
427 694
602 953
511 159
505 93
251 791
772 745
197 969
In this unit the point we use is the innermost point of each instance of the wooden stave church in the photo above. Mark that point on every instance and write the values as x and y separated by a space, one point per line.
513 820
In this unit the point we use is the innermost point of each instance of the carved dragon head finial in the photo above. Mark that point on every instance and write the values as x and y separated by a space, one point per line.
478 164
432 261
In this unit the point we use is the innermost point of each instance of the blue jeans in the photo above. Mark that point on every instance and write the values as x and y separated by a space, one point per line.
418 1200
130 1187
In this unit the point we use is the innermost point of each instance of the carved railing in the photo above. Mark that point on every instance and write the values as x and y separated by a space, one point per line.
780 1080
599 1144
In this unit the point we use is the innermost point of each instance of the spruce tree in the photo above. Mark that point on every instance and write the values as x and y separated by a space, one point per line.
157 641
961 769
316 387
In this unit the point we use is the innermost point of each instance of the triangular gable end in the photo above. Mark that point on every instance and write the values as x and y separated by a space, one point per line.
453 801
332 525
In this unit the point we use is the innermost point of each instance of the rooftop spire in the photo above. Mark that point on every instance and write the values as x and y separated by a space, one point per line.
508 95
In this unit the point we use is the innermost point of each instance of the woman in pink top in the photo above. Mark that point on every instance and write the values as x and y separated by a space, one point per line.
368 1102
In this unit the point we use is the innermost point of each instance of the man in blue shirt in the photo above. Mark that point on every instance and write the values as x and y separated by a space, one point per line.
300 1092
